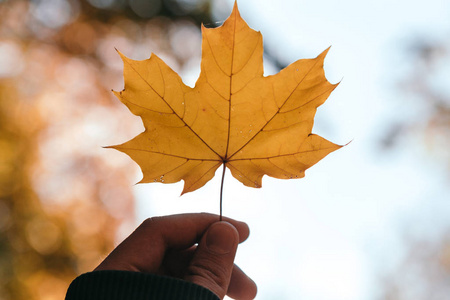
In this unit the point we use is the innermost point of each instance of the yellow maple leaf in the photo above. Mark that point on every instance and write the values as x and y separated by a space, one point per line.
234 116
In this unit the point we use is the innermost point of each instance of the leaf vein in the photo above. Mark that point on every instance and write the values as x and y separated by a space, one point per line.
287 98
201 177
240 172
173 111
282 155
287 126
167 154
309 101
251 55
214 56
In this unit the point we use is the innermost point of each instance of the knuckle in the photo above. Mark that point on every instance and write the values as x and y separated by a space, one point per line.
206 273
150 222
152 228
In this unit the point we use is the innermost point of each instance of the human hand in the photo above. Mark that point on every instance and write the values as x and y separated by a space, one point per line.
168 246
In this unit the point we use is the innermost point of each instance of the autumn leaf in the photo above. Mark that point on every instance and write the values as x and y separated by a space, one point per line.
234 116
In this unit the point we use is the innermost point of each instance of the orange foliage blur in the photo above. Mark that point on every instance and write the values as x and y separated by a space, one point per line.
64 200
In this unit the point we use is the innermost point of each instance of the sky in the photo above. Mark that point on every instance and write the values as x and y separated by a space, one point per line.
327 236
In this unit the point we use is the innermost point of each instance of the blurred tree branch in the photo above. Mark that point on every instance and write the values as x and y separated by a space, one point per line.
426 89
424 271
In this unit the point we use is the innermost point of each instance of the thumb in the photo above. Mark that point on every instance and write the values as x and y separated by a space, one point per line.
213 261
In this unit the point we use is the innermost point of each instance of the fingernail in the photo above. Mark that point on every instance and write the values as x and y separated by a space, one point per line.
221 238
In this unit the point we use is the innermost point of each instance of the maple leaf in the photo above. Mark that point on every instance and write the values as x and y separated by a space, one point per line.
234 116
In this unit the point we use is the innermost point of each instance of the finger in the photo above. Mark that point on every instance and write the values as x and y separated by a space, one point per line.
213 261
183 230
176 263
144 249
241 286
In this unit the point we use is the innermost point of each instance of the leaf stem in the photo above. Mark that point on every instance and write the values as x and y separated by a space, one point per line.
221 190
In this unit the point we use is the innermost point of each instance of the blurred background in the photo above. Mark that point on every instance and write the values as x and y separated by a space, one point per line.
370 221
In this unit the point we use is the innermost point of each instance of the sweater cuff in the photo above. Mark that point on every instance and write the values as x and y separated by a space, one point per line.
120 285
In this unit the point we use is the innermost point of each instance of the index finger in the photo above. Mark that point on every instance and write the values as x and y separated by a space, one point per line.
145 248
183 230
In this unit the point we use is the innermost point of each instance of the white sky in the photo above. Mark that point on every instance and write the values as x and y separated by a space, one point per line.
324 237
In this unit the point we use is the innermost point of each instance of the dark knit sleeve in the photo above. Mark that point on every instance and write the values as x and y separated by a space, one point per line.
121 285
